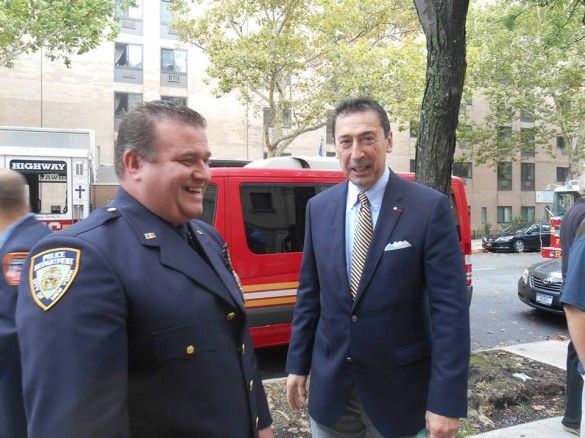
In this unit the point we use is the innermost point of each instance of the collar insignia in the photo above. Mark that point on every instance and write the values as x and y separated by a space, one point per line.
149 235
12 267
51 274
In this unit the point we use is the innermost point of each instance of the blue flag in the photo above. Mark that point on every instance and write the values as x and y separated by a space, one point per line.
321 148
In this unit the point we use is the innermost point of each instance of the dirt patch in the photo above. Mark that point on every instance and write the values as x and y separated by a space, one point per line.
504 390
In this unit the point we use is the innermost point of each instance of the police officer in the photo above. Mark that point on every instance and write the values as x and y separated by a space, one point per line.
19 231
131 321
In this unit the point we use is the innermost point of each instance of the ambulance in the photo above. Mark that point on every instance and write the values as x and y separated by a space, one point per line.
57 166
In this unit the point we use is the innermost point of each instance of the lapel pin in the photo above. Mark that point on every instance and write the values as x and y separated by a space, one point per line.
149 235
399 210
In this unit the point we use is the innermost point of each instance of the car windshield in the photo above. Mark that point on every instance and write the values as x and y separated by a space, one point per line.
513 228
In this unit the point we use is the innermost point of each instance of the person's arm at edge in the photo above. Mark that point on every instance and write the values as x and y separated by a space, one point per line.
445 276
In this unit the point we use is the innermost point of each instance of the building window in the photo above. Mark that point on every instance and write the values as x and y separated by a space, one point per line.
128 63
412 166
527 176
269 122
561 144
462 169
526 116
177 100
484 215
124 102
166 18
504 215
78 169
414 128
504 176
173 68
131 18
504 134
528 145
562 174
528 213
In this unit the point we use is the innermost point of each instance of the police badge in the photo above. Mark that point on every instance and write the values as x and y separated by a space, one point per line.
51 273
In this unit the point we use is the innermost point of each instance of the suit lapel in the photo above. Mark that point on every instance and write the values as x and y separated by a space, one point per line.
390 213
209 246
337 212
175 252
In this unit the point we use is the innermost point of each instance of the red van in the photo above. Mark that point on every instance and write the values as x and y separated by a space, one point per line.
260 212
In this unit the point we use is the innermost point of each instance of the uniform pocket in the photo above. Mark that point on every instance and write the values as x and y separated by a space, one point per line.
185 342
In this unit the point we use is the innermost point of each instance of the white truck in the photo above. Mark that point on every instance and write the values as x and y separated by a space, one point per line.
57 165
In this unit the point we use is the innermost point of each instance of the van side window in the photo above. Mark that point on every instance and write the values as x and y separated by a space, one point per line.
209 204
274 215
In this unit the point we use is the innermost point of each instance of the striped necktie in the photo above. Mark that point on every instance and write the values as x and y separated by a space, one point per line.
361 243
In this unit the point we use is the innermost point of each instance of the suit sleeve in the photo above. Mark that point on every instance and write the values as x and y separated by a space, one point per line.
74 355
307 308
445 284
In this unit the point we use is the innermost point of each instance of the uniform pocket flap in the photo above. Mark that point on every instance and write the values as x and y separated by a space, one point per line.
184 342
413 352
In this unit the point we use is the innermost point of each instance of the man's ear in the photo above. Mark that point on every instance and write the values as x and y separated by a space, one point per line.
133 164
389 143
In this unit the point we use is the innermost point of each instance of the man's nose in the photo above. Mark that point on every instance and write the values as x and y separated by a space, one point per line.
356 150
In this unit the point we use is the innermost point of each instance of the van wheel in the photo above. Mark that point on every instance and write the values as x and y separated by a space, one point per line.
519 246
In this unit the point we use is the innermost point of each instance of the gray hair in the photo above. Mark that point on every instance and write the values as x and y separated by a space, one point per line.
137 130
12 190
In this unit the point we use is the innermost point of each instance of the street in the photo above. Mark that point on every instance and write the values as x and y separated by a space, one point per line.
498 317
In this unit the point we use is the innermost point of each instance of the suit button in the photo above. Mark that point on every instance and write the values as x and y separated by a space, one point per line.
348 359
354 318
251 385
230 316
190 350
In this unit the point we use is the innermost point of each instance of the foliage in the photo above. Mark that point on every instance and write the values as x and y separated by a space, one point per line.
527 59
60 27
296 58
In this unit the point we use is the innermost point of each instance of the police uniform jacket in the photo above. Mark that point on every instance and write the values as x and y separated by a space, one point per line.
23 236
127 331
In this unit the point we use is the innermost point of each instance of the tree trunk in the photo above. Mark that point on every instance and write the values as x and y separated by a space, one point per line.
443 22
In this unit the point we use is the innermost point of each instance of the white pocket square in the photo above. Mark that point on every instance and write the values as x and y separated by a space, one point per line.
397 245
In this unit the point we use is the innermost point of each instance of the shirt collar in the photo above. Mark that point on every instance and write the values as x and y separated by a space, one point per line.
375 193
8 231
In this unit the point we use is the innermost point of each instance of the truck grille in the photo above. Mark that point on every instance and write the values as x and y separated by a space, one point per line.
538 283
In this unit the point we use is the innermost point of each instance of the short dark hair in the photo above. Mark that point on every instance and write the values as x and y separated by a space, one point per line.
358 105
137 130
12 190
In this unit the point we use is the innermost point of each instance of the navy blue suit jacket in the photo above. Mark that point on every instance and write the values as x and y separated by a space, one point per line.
404 343
149 340
12 417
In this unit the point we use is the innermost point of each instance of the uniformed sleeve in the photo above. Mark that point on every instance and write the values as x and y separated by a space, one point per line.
74 353
445 284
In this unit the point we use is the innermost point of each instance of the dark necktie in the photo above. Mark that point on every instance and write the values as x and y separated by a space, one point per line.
361 243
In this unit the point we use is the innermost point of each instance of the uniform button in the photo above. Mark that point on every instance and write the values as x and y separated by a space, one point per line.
230 316
251 385
190 349
348 359
243 348
354 318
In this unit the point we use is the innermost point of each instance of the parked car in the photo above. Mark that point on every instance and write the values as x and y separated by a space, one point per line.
540 286
528 238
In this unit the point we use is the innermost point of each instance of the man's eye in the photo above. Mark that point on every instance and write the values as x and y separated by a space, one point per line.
369 140
344 143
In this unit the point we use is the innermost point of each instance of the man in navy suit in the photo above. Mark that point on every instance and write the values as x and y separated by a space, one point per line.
132 322
19 231
388 355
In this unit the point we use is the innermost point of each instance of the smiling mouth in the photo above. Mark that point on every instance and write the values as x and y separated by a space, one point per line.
197 191
361 169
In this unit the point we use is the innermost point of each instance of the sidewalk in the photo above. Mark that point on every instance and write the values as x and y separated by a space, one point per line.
552 353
